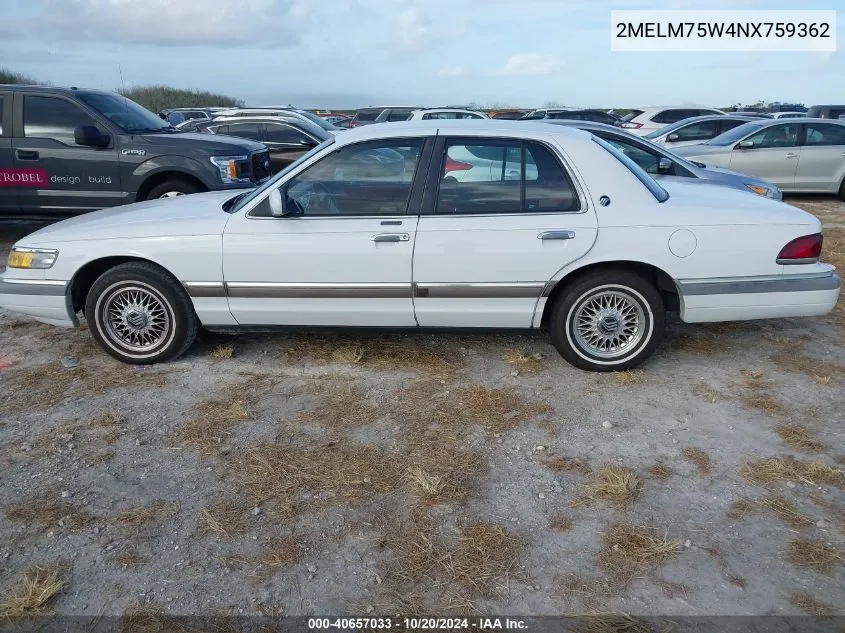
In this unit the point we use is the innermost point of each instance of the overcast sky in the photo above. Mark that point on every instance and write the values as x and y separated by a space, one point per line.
334 53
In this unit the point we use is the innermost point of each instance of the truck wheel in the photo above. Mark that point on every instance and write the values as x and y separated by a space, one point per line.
173 187
608 320
139 314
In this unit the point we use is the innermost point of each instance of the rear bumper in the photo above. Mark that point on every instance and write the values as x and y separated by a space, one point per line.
45 300
740 299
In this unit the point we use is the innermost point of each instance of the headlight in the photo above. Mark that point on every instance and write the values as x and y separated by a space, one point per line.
769 192
233 169
22 257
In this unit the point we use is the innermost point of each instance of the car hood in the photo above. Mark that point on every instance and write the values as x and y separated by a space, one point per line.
196 214
719 204
214 144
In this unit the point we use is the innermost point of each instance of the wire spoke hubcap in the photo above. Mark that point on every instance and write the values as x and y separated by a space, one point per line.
136 318
608 324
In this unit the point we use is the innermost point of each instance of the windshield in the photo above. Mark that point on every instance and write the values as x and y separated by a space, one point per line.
125 113
732 136
316 120
660 194
242 202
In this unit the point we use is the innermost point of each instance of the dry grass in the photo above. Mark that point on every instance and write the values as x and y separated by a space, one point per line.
633 377
279 552
496 409
487 555
659 471
48 511
584 594
566 465
706 391
799 437
385 353
702 344
737 581
561 524
223 351
342 407
227 518
147 618
611 623
834 252
522 361
774 469
285 477
814 554
762 402
808 604
614 484
37 387
107 419
699 459
30 597
129 559
743 508
816 368
627 550
158 510
785 511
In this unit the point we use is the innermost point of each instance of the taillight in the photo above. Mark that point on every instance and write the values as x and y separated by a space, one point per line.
455 165
802 250
632 126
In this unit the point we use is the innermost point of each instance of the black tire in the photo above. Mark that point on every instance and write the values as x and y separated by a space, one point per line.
169 322
842 190
643 300
173 186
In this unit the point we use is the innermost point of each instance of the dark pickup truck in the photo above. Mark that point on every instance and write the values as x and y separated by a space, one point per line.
66 151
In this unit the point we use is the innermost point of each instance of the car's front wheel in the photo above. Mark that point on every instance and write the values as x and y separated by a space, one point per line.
139 314
607 320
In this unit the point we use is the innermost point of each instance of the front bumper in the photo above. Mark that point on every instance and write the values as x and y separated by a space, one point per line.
46 300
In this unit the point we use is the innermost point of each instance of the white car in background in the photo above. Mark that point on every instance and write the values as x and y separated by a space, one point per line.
426 114
586 245
642 122
789 115
695 130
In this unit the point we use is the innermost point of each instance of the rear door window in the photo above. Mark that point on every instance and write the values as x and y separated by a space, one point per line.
399 114
245 130
821 134
673 115
285 135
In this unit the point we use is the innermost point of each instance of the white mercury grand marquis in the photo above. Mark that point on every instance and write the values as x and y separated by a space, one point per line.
371 228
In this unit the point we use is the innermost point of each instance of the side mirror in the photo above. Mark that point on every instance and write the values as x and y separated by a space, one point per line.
673 137
90 136
745 145
664 166
277 203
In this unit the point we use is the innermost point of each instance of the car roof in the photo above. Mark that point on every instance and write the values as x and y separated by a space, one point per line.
463 127
257 117
447 110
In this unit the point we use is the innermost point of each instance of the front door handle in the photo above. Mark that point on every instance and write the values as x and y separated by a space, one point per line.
390 237
557 235
791 155
26 154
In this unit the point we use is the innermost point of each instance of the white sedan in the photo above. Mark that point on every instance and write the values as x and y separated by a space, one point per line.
586 245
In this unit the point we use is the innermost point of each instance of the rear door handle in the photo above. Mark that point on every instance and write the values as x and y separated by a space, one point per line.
791 154
390 237
26 154
557 235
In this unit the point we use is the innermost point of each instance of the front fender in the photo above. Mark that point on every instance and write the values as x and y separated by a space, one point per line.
204 172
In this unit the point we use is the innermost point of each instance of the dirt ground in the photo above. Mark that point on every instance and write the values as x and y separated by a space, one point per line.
348 473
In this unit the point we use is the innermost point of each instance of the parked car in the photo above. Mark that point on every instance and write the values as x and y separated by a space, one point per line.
826 111
445 113
542 113
69 151
188 113
642 122
798 155
289 113
753 114
381 114
596 116
588 246
508 114
334 119
695 130
286 139
789 115
662 164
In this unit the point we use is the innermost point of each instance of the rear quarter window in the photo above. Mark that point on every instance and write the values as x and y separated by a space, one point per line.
659 193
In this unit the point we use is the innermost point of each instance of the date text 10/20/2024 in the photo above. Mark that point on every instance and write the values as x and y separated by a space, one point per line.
419 624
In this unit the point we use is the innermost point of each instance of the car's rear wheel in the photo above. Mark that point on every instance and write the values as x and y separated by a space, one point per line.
607 320
842 190
139 314
172 188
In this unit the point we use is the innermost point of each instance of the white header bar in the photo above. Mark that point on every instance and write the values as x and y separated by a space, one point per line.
723 30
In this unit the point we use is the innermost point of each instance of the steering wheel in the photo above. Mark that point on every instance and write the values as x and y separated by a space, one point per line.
313 198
